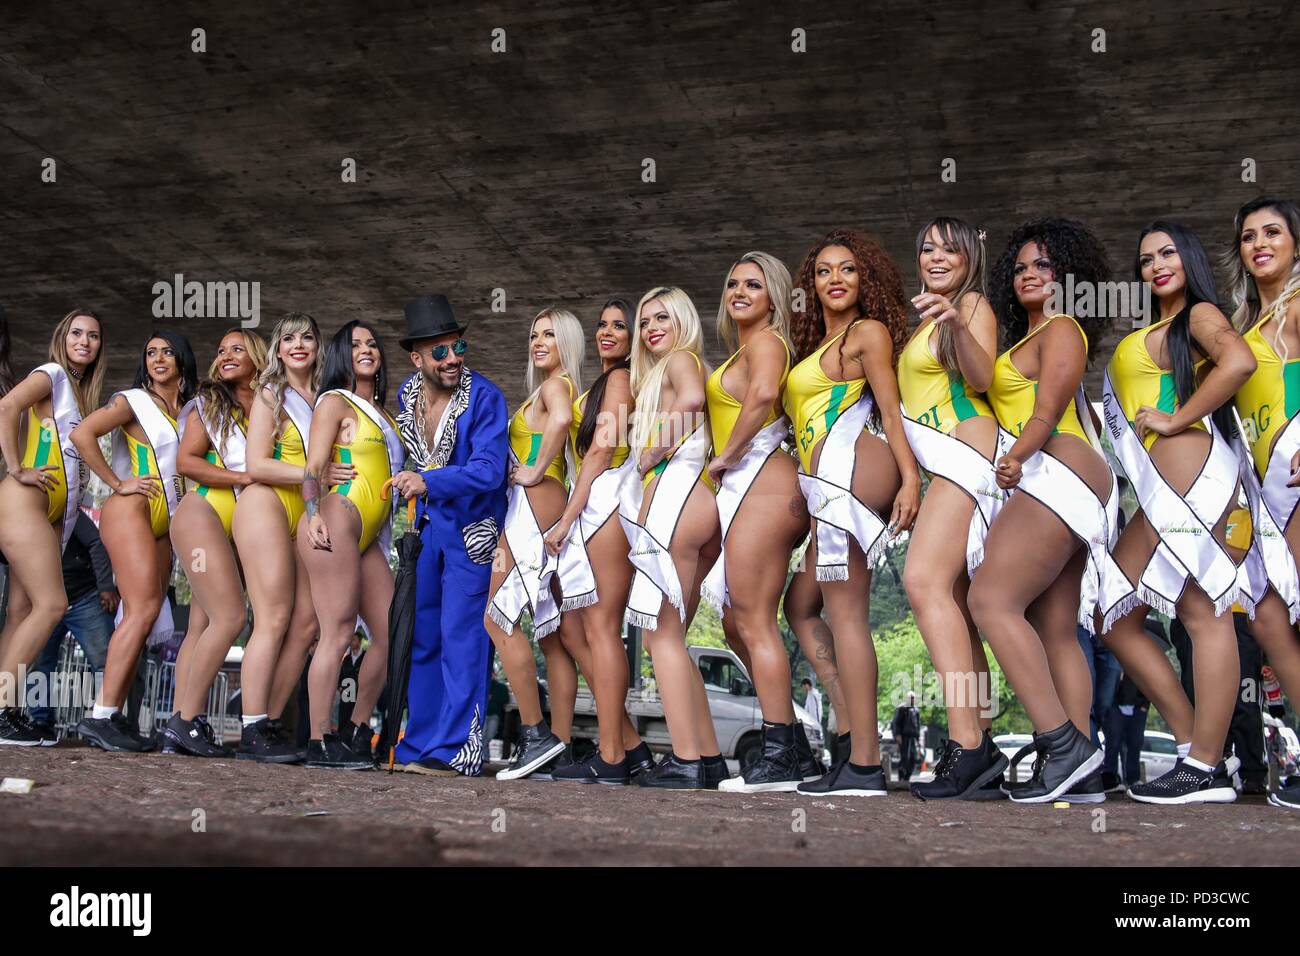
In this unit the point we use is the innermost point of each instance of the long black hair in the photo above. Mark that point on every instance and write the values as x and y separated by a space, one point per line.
1072 250
7 380
337 371
1199 288
185 363
596 395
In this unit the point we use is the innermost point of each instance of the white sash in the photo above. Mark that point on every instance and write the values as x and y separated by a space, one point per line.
947 456
656 575
831 501
396 453
66 416
233 451
1269 560
1185 524
528 583
608 492
736 483
299 412
163 438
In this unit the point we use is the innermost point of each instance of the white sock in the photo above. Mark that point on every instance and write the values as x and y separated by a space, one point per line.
1184 750
101 712
250 719
1193 762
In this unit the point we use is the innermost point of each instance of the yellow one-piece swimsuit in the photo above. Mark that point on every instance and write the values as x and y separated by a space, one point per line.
931 394
658 469
620 453
368 454
144 463
724 408
1139 381
222 498
813 401
1271 396
43 449
527 444
291 450
1012 395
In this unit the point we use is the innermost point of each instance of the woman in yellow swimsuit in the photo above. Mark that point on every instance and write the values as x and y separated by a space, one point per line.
1162 382
1025 597
676 537
265 525
344 540
212 455
1265 273
942 374
599 450
845 341
757 481
135 520
39 497
538 431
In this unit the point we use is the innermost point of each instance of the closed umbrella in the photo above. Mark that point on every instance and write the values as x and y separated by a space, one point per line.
401 633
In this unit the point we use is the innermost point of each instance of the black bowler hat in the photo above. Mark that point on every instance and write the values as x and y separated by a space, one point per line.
428 317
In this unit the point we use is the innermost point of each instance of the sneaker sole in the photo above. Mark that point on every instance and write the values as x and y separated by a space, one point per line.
673 786
172 745
738 785
8 742
1217 795
337 766
1084 798
1081 772
107 748
844 793
1276 801
532 765
288 758
595 780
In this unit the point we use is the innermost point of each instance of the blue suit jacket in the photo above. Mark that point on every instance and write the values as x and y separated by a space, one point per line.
472 485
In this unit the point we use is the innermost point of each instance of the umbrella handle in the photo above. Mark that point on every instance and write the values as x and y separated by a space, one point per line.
384 490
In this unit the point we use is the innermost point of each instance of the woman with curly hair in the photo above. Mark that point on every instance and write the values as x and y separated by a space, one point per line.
942 374
1162 385
39 500
1026 595
136 521
212 452
1264 265
846 339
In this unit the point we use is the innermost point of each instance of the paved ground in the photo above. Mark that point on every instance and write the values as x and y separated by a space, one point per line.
93 808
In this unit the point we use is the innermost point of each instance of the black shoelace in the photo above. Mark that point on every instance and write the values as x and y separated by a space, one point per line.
947 760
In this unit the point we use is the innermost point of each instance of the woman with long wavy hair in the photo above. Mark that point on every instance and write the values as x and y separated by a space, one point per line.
212 455
846 340
1264 266
136 519
266 525
592 550
538 431
1045 557
1162 387
39 500
345 538
943 372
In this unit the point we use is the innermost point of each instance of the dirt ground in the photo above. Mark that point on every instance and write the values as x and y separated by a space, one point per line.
92 808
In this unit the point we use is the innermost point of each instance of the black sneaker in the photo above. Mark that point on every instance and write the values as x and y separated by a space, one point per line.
358 738
260 742
777 770
329 753
594 770
1090 789
809 767
715 771
963 773
847 780
674 773
639 760
1065 757
1111 783
114 734
535 747
1287 796
1185 784
561 760
15 731
1011 784
43 729
193 738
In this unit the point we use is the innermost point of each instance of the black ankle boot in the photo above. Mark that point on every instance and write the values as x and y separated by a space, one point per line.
776 770
1065 757
809 768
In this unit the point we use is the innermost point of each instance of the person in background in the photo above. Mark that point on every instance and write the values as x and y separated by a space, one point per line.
1125 729
1105 670
812 701
498 697
92 601
349 677
907 732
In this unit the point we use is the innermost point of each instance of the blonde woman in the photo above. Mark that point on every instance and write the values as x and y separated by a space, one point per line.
757 484
676 537
39 499
538 432
213 451
265 527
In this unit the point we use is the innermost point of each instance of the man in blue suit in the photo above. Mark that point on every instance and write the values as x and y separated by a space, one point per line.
454 426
